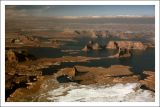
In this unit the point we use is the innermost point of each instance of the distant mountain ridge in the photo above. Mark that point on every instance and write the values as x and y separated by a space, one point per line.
96 17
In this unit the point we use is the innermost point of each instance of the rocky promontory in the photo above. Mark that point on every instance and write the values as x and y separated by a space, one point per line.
149 80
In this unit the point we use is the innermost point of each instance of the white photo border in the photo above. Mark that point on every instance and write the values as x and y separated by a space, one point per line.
155 3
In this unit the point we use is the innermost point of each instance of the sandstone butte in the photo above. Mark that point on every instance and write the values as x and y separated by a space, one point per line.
92 46
126 44
116 45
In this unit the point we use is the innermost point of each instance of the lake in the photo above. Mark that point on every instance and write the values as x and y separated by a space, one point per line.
141 59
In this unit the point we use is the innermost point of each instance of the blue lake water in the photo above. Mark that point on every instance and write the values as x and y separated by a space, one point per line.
141 59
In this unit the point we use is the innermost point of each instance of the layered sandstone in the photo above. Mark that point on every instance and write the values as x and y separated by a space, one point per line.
122 53
111 75
149 80
92 46
126 44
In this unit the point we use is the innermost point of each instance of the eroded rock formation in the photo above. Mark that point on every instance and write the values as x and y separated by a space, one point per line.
94 33
149 80
92 46
122 53
18 56
16 74
126 44
111 75
91 75
11 56
24 39
70 72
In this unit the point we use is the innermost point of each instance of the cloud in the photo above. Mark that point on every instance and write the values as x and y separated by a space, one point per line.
26 10
12 11
77 10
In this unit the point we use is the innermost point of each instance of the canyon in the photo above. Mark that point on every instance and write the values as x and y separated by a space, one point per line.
51 59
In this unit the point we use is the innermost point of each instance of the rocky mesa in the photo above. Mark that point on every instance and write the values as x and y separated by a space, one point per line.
116 45
126 44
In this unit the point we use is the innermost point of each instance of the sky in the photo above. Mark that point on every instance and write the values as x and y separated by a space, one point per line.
79 10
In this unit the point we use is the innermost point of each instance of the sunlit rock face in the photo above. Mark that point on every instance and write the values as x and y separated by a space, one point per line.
117 93
111 75
70 72
122 53
116 45
149 80
18 56
126 44
92 46
11 56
